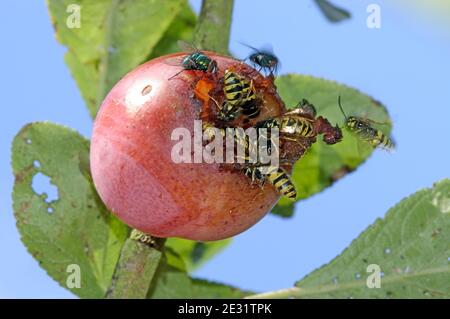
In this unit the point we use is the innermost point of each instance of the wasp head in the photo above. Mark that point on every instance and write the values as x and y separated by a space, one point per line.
355 124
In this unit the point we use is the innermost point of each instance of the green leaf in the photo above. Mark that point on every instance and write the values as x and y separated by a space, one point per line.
195 254
324 164
173 282
411 246
331 12
182 28
114 37
76 228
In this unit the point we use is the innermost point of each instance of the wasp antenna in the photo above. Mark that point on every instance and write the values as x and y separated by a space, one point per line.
340 106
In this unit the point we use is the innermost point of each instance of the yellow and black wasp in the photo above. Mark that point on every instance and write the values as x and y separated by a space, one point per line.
299 126
258 172
276 176
195 60
240 98
301 122
363 129
261 173
293 125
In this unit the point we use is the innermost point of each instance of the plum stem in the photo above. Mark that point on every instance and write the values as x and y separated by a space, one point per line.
213 27
138 262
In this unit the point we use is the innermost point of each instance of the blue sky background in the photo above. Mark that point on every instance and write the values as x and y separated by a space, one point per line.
405 64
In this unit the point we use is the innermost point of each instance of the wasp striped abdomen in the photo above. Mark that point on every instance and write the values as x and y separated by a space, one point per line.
296 126
250 106
240 97
275 176
251 109
233 88
290 124
282 182
385 142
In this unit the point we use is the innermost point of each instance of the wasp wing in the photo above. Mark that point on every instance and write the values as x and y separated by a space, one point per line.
299 112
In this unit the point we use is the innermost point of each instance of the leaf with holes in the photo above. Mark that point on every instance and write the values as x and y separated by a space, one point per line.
324 164
172 281
113 37
74 228
194 254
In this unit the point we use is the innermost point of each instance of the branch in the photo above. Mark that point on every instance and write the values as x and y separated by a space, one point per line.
277 294
213 27
317 291
139 259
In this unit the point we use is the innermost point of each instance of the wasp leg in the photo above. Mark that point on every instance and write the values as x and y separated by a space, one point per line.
215 101
253 175
251 89
292 139
261 179
262 182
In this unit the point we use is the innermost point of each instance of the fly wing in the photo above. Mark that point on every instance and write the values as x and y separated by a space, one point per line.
175 61
364 139
362 146
306 108
267 48
187 47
